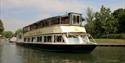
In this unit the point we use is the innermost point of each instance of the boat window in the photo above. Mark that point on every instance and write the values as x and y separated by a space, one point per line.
38 39
64 20
28 39
76 19
20 36
58 39
33 38
73 38
55 21
47 38
25 39
85 38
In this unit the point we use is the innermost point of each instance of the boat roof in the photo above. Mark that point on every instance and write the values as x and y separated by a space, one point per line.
54 17
43 20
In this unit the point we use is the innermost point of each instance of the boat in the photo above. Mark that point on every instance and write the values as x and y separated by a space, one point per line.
12 40
63 33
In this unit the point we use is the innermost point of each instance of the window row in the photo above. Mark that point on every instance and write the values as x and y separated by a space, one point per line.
47 22
44 39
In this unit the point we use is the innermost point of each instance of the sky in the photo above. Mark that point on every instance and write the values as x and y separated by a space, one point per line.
16 14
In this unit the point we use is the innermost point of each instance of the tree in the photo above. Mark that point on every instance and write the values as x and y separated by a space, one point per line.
119 14
101 23
8 34
18 31
105 22
90 15
1 27
90 20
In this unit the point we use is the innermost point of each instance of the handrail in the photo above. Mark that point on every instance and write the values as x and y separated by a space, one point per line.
90 38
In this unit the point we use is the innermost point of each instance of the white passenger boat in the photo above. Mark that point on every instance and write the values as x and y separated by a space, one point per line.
60 34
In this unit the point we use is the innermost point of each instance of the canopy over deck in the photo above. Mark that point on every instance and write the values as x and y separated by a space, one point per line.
70 18
57 29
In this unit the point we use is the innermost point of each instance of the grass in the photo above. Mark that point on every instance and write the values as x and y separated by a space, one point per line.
110 40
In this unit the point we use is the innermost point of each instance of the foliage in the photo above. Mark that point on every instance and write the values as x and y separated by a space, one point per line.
1 27
90 15
90 20
8 34
105 22
18 31
110 40
119 14
102 23
114 36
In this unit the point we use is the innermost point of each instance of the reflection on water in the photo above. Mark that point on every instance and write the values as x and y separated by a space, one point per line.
10 53
37 56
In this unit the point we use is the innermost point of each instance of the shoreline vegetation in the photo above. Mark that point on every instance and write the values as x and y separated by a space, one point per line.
110 40
106 24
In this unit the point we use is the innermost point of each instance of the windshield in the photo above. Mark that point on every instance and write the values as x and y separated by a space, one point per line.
73 39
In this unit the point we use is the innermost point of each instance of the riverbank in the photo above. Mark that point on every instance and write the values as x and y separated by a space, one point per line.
110 40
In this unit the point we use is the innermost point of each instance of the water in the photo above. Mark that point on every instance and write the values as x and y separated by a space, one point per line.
10 53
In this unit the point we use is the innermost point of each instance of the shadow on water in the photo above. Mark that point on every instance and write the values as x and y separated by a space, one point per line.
11 53
39 56
99 55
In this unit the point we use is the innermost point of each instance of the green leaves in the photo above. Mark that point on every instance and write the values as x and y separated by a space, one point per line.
119 15
1 27
90 15
18 31
8 34
90 19
103 22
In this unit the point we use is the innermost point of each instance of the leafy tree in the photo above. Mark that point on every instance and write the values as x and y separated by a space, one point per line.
18 31
1 27
105 22
8 34
101 23
119 14
90 15
90 20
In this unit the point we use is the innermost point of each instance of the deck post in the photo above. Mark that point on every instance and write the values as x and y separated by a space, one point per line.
52 38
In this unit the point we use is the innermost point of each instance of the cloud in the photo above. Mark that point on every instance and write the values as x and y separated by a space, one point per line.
49 6
45 5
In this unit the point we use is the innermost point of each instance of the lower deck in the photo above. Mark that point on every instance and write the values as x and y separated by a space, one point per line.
73 38
83 48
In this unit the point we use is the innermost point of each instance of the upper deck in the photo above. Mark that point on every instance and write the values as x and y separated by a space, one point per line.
74 19
57 29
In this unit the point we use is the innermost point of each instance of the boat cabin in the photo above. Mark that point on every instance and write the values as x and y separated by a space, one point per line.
70 18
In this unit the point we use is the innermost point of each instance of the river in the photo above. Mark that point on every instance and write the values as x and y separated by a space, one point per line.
12 53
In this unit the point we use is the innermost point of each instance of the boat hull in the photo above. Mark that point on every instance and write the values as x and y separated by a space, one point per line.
70 48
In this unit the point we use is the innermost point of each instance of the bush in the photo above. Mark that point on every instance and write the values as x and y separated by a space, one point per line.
114 36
